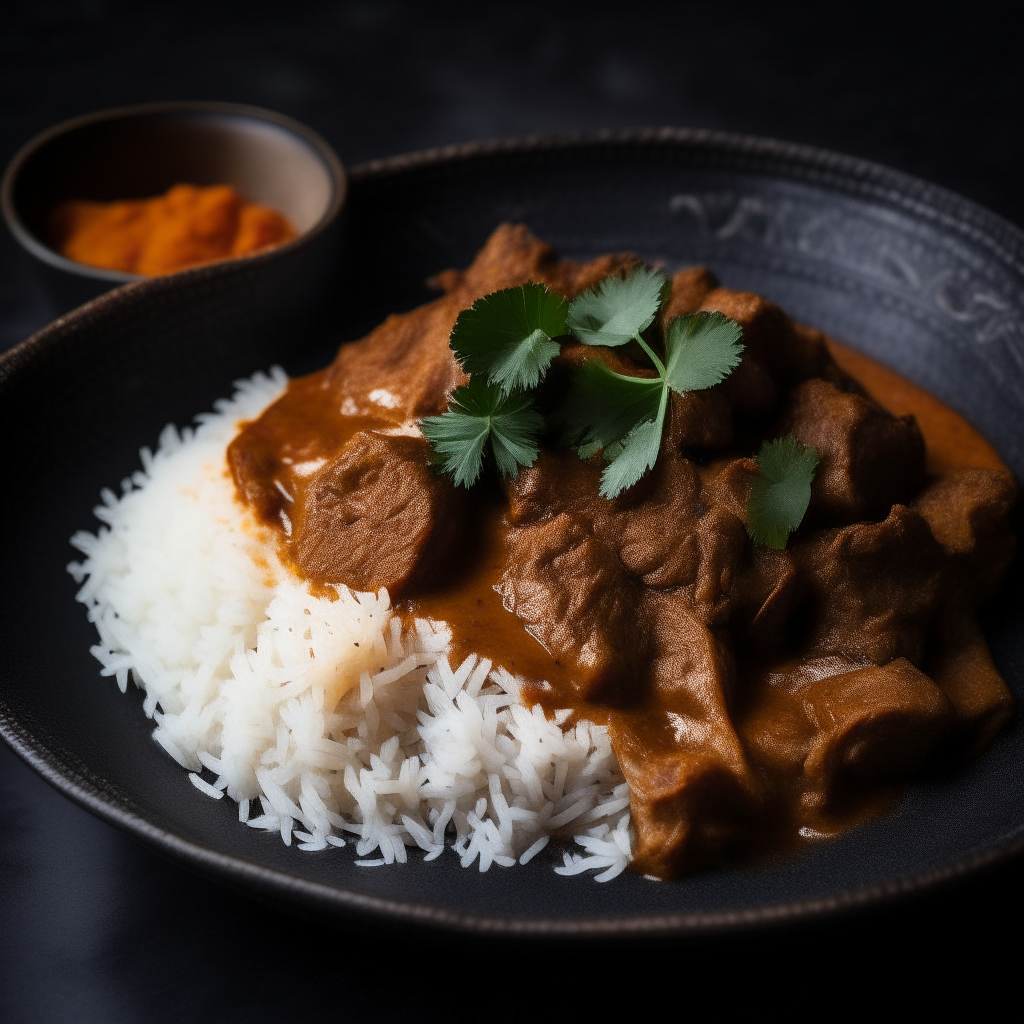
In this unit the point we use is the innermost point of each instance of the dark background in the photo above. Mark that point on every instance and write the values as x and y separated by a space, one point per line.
94 927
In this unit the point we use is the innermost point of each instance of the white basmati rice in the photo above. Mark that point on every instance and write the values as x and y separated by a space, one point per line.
324 718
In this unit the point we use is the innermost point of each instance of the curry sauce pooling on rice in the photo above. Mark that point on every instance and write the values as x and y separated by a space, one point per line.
754 697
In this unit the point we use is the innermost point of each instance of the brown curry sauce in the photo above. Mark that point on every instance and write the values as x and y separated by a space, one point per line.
754 698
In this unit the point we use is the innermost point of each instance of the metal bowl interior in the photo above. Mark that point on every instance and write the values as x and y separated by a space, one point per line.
916 277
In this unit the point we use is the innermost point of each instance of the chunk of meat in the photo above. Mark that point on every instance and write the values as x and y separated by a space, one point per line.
557 482
969 512
692 669
788 351
777 735
727 483
377 516
701 420
869 459
875 723
692 802
513 255
767 593
961 664
754 588
690 287
564 579
570 592
657 537
824 732
408 356
685 532
875 588
580 566
723 544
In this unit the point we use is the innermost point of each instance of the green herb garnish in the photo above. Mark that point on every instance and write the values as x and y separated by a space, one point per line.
625 415
781 492
617 309
507 336
506 342
703 349
477 413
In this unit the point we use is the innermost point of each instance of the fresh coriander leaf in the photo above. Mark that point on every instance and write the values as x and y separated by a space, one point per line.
515 429
781 493
613 451
625 416
602 406
666 291
617 309
507 336
701 350
633 456
458 443
478 412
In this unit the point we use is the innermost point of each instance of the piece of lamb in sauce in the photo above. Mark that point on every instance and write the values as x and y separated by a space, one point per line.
752 696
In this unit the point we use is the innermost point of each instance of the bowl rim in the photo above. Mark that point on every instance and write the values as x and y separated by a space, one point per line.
756 154
37 248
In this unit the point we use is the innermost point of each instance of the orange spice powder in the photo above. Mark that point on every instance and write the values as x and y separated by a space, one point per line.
187 226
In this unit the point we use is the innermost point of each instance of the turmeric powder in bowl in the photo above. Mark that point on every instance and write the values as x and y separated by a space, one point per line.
186 226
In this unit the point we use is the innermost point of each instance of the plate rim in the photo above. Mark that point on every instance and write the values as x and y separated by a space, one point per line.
721 150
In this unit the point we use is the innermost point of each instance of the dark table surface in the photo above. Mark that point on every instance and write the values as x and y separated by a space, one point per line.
94 926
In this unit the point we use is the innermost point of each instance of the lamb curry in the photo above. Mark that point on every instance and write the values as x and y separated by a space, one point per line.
753 696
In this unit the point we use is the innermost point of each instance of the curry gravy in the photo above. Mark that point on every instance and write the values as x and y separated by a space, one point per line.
755 699
486 628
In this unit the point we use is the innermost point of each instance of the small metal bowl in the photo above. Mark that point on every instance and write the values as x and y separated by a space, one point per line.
139 151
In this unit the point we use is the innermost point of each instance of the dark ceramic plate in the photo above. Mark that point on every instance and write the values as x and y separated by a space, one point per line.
915 276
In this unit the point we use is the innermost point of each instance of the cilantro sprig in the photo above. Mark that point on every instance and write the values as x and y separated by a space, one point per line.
479 413
616 310
506 342
507 336
781 491
625 415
